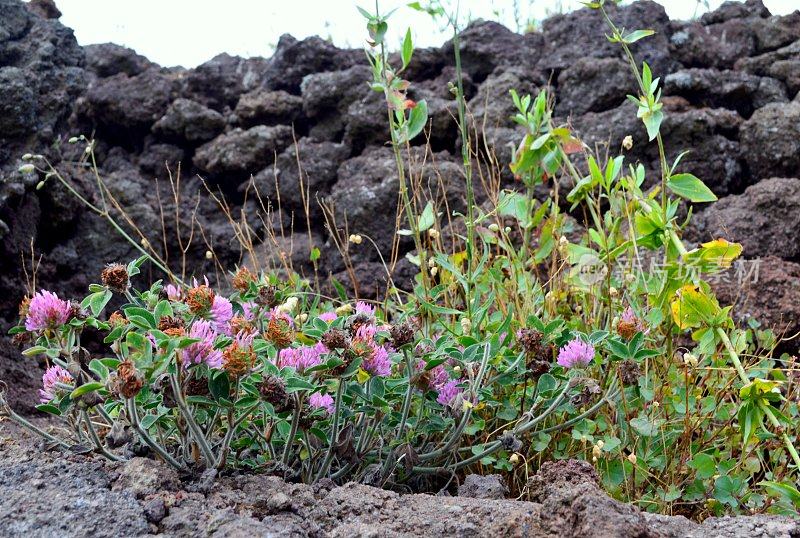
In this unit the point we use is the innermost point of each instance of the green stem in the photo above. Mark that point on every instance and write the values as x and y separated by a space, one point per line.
197 432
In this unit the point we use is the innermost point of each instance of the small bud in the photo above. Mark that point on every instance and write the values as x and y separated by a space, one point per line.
457 370
434 270
612 291
209 255
344 310
632 458
627 142
289 306
73 140
507 229
355 239
88 149
302 318
27 157
596 451
431 263
514 459
601 443
433 233
27 168
40 185
145 243
494 227
690 360
466 325
656 405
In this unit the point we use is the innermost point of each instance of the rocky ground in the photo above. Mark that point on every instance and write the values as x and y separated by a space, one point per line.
47 493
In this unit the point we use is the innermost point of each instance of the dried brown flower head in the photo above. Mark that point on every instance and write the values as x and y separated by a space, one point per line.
175 331
170 322
242 279
335 339
267 296
196 386
273 390
239 324
627 329
402 334
238 360
629 372
200 299
115 277
117 319
24 306
126 381
279 331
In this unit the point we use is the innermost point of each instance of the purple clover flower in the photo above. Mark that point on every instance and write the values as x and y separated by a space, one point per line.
202 351
54 374
378 363
301 358
327 317
365 308
220 314
448 392
322 401
575 353
174 293
47 311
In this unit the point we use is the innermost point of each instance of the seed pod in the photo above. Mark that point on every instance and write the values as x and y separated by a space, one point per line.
402 334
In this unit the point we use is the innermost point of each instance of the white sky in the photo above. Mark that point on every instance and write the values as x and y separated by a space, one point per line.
189 32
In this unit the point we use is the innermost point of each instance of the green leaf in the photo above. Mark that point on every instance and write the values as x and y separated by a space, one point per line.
315 254
783 490
35 350
427 218
416 120
408 49
48 408
96 302
219 385
704 464
690 187
86 388
652 120
635 36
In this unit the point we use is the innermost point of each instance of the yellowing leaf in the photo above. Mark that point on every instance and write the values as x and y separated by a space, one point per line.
716 254
362 376
693 307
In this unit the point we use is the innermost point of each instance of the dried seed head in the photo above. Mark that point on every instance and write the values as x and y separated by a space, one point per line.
115 277
196 386
626 329
240 324
267 296
273 391
530 341
200 299
402 334
170 322
279 332
238 360
242 279
126 381
335 339
627 142
588 392
24 307
629 372
117 319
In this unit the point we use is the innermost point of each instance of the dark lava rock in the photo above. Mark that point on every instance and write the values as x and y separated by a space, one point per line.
268 108
594 85
189 122
764 219
771 140
242 152
782 64
219 82
766 290
109 59
725 89
582 34
485 45
318 165
123 107
295 59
